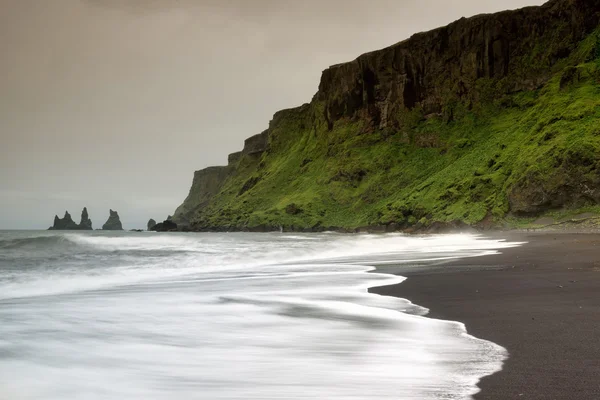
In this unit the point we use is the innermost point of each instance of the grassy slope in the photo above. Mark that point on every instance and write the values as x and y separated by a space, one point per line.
430 170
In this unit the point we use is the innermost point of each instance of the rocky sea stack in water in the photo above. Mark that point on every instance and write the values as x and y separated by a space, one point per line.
113 223
151 224
86 222
489 119
67 223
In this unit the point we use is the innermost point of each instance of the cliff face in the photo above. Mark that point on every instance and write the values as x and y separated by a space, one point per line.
256 145
208 182
436 69
489 116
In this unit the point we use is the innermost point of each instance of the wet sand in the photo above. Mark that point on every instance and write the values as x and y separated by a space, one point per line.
540 301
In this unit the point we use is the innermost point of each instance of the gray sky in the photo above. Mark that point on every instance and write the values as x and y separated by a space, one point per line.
115 103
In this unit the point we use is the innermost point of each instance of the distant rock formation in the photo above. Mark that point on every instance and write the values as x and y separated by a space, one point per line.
86 222
166 226
113 223
67 223
151 224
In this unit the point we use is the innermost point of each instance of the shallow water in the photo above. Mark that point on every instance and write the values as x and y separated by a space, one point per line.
94 315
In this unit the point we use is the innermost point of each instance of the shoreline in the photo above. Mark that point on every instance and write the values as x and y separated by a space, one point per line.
583 223
540 301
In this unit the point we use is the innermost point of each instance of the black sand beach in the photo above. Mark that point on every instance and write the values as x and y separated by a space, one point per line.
540 301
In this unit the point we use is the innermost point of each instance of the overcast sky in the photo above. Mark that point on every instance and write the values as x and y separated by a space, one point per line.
115 103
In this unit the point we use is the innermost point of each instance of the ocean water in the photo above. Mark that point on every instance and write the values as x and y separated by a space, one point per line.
93 315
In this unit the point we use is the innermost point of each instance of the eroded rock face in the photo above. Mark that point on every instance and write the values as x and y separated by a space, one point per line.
574 183
165 226
113 223
206 184
256 144
67 223
431 70
151 224
234 158
86 222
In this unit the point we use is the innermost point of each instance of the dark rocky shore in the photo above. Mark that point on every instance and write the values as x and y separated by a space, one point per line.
540 301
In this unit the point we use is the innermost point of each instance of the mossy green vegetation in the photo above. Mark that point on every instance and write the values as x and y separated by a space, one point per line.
503 160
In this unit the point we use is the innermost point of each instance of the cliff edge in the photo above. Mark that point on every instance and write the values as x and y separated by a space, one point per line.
488 119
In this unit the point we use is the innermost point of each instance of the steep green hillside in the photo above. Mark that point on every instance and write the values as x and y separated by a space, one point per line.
518 137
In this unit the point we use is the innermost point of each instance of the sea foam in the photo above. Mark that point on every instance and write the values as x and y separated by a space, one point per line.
229 316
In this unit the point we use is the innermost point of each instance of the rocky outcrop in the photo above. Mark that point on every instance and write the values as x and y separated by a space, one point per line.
113 223
432 70
165 226
86 222
234 158
151 224
209 181
67 223
206 184
575 183
256 145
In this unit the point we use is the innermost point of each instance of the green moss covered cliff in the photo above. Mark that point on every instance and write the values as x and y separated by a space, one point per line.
483 121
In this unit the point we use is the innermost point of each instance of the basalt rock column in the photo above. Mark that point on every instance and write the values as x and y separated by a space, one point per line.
86 222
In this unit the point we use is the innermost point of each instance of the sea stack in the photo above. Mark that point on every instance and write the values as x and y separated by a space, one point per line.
151 224
67 223
86 222
113 223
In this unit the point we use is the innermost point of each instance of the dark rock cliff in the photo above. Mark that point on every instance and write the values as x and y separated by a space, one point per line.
165 226
206 184
113 223
256 144
209 181
432 70
234 158
67 223
432 75
151 224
